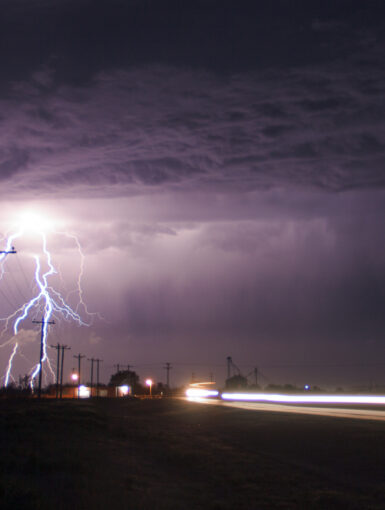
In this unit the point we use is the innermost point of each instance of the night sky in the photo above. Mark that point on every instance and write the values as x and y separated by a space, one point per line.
222 164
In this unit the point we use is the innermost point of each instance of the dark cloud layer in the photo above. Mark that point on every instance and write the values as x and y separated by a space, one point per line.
82 37
161 127
310 115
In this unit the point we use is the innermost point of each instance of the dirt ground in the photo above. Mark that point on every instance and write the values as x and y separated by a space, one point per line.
171 454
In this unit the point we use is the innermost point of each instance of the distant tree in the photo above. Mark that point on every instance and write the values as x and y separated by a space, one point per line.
162 389
24 382
128 377
12 390
287 388
290 388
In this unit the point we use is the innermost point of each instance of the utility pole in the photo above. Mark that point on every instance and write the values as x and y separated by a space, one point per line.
7 252
79 358
229 363
256 376
168 367
42 322
92 372
118 366
97 375
57 347
63 348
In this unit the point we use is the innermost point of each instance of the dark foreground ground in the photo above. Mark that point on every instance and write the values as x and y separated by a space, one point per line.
170 454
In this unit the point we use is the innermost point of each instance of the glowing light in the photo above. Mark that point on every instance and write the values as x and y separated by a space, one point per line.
306 399
84 392
149 383
201 393
124 390
74 376
33 221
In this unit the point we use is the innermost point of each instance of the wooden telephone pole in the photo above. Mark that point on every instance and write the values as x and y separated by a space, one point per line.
42 322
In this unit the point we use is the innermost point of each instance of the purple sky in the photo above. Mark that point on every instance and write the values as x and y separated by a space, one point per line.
222 163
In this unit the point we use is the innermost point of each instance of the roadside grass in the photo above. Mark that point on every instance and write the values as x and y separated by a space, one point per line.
170 454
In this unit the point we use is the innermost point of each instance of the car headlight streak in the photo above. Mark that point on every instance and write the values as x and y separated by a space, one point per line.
305 399
201 393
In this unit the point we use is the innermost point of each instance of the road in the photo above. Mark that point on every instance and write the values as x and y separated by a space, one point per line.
377 413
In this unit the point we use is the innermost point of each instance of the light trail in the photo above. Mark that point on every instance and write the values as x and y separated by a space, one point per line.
202 389
341 411
305 399
47 303
201 393
333 412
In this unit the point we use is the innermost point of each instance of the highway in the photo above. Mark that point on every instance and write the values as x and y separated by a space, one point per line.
376 413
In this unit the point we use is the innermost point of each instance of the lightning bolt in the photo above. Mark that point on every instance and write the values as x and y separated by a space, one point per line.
8 372
47 301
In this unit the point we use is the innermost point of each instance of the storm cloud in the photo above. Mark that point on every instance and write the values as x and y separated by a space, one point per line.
222 164
131 132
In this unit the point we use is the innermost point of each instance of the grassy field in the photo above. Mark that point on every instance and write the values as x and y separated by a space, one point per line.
170 454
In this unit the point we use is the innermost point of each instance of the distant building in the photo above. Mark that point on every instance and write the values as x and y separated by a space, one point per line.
85 391
236 382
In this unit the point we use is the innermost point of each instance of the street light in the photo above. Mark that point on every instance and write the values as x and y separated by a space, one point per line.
74 378
149 383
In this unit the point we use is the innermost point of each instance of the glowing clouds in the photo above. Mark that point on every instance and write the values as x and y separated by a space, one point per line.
32 221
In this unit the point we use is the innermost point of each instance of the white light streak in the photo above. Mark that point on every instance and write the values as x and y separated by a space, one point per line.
306 399
201 393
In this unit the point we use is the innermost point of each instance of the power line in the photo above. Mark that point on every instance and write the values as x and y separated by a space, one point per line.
17 285
7 252
28 283
118 366
10 293
288 365
6 298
